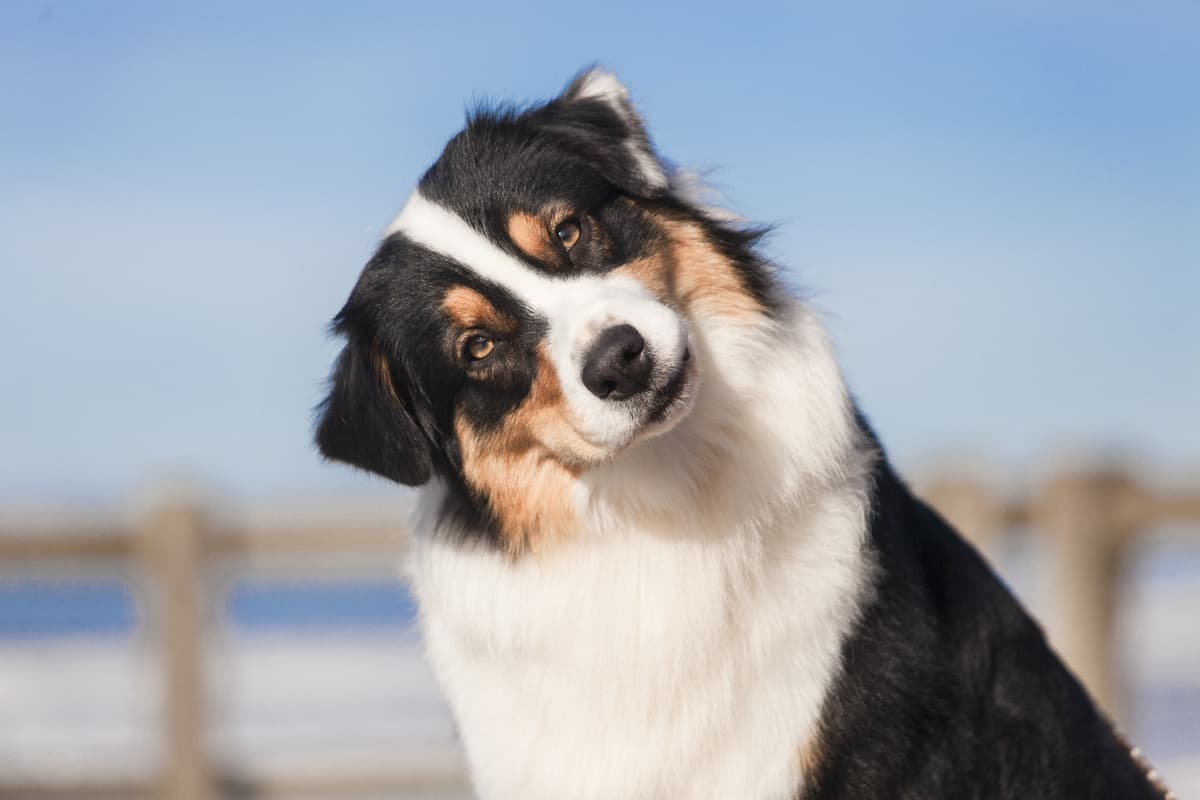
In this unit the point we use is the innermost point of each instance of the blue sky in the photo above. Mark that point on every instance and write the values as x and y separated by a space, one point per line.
997 206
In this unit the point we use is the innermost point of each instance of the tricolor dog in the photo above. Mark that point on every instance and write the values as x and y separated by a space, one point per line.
659 552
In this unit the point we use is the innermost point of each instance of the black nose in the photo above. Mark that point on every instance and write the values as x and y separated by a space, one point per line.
618 365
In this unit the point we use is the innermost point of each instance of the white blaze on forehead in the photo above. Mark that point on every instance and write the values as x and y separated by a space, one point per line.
434 227
568 303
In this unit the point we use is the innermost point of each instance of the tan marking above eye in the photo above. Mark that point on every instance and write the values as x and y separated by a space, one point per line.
540 234
530 234
469 310
568 232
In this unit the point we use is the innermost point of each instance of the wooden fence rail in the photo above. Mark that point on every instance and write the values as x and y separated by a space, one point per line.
1088 518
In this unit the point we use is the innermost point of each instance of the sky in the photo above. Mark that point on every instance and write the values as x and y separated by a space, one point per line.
996 206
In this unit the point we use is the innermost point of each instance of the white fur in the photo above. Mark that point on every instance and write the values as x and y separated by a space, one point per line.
577 309
605 86
680 644
649 168
599 84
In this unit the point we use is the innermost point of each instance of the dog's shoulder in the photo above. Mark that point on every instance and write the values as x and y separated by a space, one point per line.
948 688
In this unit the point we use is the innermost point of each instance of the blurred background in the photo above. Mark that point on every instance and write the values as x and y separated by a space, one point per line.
997 205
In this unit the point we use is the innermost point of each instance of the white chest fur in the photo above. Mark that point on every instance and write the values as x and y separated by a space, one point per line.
684 658
643 668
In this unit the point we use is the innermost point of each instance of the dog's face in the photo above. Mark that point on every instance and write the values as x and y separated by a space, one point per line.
531 313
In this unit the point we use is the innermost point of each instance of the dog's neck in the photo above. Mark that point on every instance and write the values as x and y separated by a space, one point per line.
682 644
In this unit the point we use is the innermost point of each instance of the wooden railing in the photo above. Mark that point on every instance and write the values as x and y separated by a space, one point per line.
1088 517
171 547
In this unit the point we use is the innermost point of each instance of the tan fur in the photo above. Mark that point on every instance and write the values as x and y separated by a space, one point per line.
531 234
690 273
656 273
469 310
809 755
528 466
383 370
706 281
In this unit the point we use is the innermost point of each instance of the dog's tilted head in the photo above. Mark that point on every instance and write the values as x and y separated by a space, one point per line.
534 311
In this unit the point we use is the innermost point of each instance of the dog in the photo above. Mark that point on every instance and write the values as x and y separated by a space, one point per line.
659 552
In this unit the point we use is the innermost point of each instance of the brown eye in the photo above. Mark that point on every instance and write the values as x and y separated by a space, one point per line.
568 232
479 347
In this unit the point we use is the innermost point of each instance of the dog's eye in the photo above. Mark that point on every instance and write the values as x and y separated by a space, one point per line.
568 232
479 347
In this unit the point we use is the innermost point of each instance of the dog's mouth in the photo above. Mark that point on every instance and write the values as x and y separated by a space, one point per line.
671 391
674 400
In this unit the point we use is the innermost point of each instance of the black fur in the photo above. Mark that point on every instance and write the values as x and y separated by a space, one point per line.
949 690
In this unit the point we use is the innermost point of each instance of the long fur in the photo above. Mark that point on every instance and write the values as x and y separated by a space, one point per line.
711 584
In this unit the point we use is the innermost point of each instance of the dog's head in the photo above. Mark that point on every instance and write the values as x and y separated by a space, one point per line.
533 311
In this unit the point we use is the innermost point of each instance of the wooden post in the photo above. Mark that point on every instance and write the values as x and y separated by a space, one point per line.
1088 517
173 549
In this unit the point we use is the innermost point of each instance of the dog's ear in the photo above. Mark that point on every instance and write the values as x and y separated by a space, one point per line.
368 419
599 120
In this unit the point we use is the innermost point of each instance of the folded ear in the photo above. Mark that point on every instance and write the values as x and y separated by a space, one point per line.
368 420
597 116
